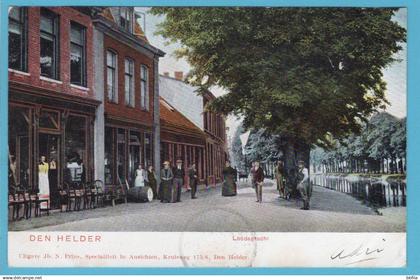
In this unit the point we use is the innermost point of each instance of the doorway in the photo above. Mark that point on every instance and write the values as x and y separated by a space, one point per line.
49 146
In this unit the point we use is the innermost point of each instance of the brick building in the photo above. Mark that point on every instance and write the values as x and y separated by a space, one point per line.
208 148
127 67
52 103
216 145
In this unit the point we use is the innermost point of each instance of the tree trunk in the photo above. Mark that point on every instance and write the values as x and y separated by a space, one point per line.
294 152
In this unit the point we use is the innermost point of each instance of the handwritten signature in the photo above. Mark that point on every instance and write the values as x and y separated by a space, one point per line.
365 254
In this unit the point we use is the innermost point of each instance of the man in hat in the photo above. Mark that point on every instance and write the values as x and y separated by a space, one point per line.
304 187
166 177
178 180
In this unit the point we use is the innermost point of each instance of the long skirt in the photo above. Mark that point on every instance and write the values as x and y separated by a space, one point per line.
166 191
44 189
229 186
139 182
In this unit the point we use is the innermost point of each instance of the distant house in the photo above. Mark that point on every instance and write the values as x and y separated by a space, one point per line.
210 152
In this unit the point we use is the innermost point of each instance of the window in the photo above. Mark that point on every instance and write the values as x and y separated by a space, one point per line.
77 54
109 155
148 158
17 39
121 154
111 69
144 76
126 19
129 82
49 44
75 149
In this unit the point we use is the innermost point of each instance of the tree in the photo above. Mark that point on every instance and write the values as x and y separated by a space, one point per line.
306 74
381 142
238 156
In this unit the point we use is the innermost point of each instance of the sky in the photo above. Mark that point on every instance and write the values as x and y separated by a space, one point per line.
395 75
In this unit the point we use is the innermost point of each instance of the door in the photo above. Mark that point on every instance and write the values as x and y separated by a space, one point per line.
49 146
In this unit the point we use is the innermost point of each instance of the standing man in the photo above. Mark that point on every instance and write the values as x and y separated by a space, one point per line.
259 179
304 187
178 180
192 173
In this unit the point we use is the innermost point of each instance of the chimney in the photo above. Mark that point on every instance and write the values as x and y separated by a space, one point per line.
179 75
166 74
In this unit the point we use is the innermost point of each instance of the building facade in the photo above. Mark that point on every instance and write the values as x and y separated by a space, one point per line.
216 144
129 88
209 153
181 139
52 104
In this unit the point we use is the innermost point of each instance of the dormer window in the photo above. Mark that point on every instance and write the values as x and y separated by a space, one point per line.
126 19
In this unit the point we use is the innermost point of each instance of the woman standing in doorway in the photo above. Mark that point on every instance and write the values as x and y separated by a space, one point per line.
43 182
140 176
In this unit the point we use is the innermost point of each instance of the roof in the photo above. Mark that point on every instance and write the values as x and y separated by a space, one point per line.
184 98
172 119
138 31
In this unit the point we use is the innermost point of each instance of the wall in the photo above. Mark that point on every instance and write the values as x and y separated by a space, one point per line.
32 77
120 109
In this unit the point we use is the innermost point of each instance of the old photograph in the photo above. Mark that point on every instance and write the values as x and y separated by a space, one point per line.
198 121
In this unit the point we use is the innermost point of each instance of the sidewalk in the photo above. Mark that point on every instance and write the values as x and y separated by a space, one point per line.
331 211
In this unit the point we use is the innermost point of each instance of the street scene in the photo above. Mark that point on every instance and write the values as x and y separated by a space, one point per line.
207 119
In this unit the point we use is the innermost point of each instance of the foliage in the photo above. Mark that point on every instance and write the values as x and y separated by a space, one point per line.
383 137
303 73
263 146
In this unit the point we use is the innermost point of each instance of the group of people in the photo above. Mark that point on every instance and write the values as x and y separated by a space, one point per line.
303 185
171 178
257 175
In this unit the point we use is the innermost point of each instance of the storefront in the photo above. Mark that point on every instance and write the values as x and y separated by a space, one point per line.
188 153
126 146
58 128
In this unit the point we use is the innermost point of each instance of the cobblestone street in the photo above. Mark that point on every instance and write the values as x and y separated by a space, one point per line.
331 211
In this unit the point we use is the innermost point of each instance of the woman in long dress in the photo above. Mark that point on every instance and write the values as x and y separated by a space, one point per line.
151 179
166 178
140 176
229 184
43 183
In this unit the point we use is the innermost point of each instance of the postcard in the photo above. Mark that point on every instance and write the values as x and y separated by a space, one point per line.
207 137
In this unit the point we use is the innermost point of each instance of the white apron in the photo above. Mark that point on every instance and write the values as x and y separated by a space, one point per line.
139 182
44 187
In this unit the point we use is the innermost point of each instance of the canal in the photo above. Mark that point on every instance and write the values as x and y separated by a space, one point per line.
374 191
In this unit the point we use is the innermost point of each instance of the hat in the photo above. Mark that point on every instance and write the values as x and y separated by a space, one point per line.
178 161
166 162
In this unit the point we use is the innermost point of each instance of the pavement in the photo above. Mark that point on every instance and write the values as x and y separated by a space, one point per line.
331 211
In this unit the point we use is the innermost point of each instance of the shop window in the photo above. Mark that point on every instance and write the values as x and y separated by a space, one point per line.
19 146
111 68
144 78
18 39
109 155
49 44
49 120
75 149
135 154
148 149
129 82
77 54
121 155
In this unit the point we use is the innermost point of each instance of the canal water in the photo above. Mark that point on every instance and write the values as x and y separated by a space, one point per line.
374 192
